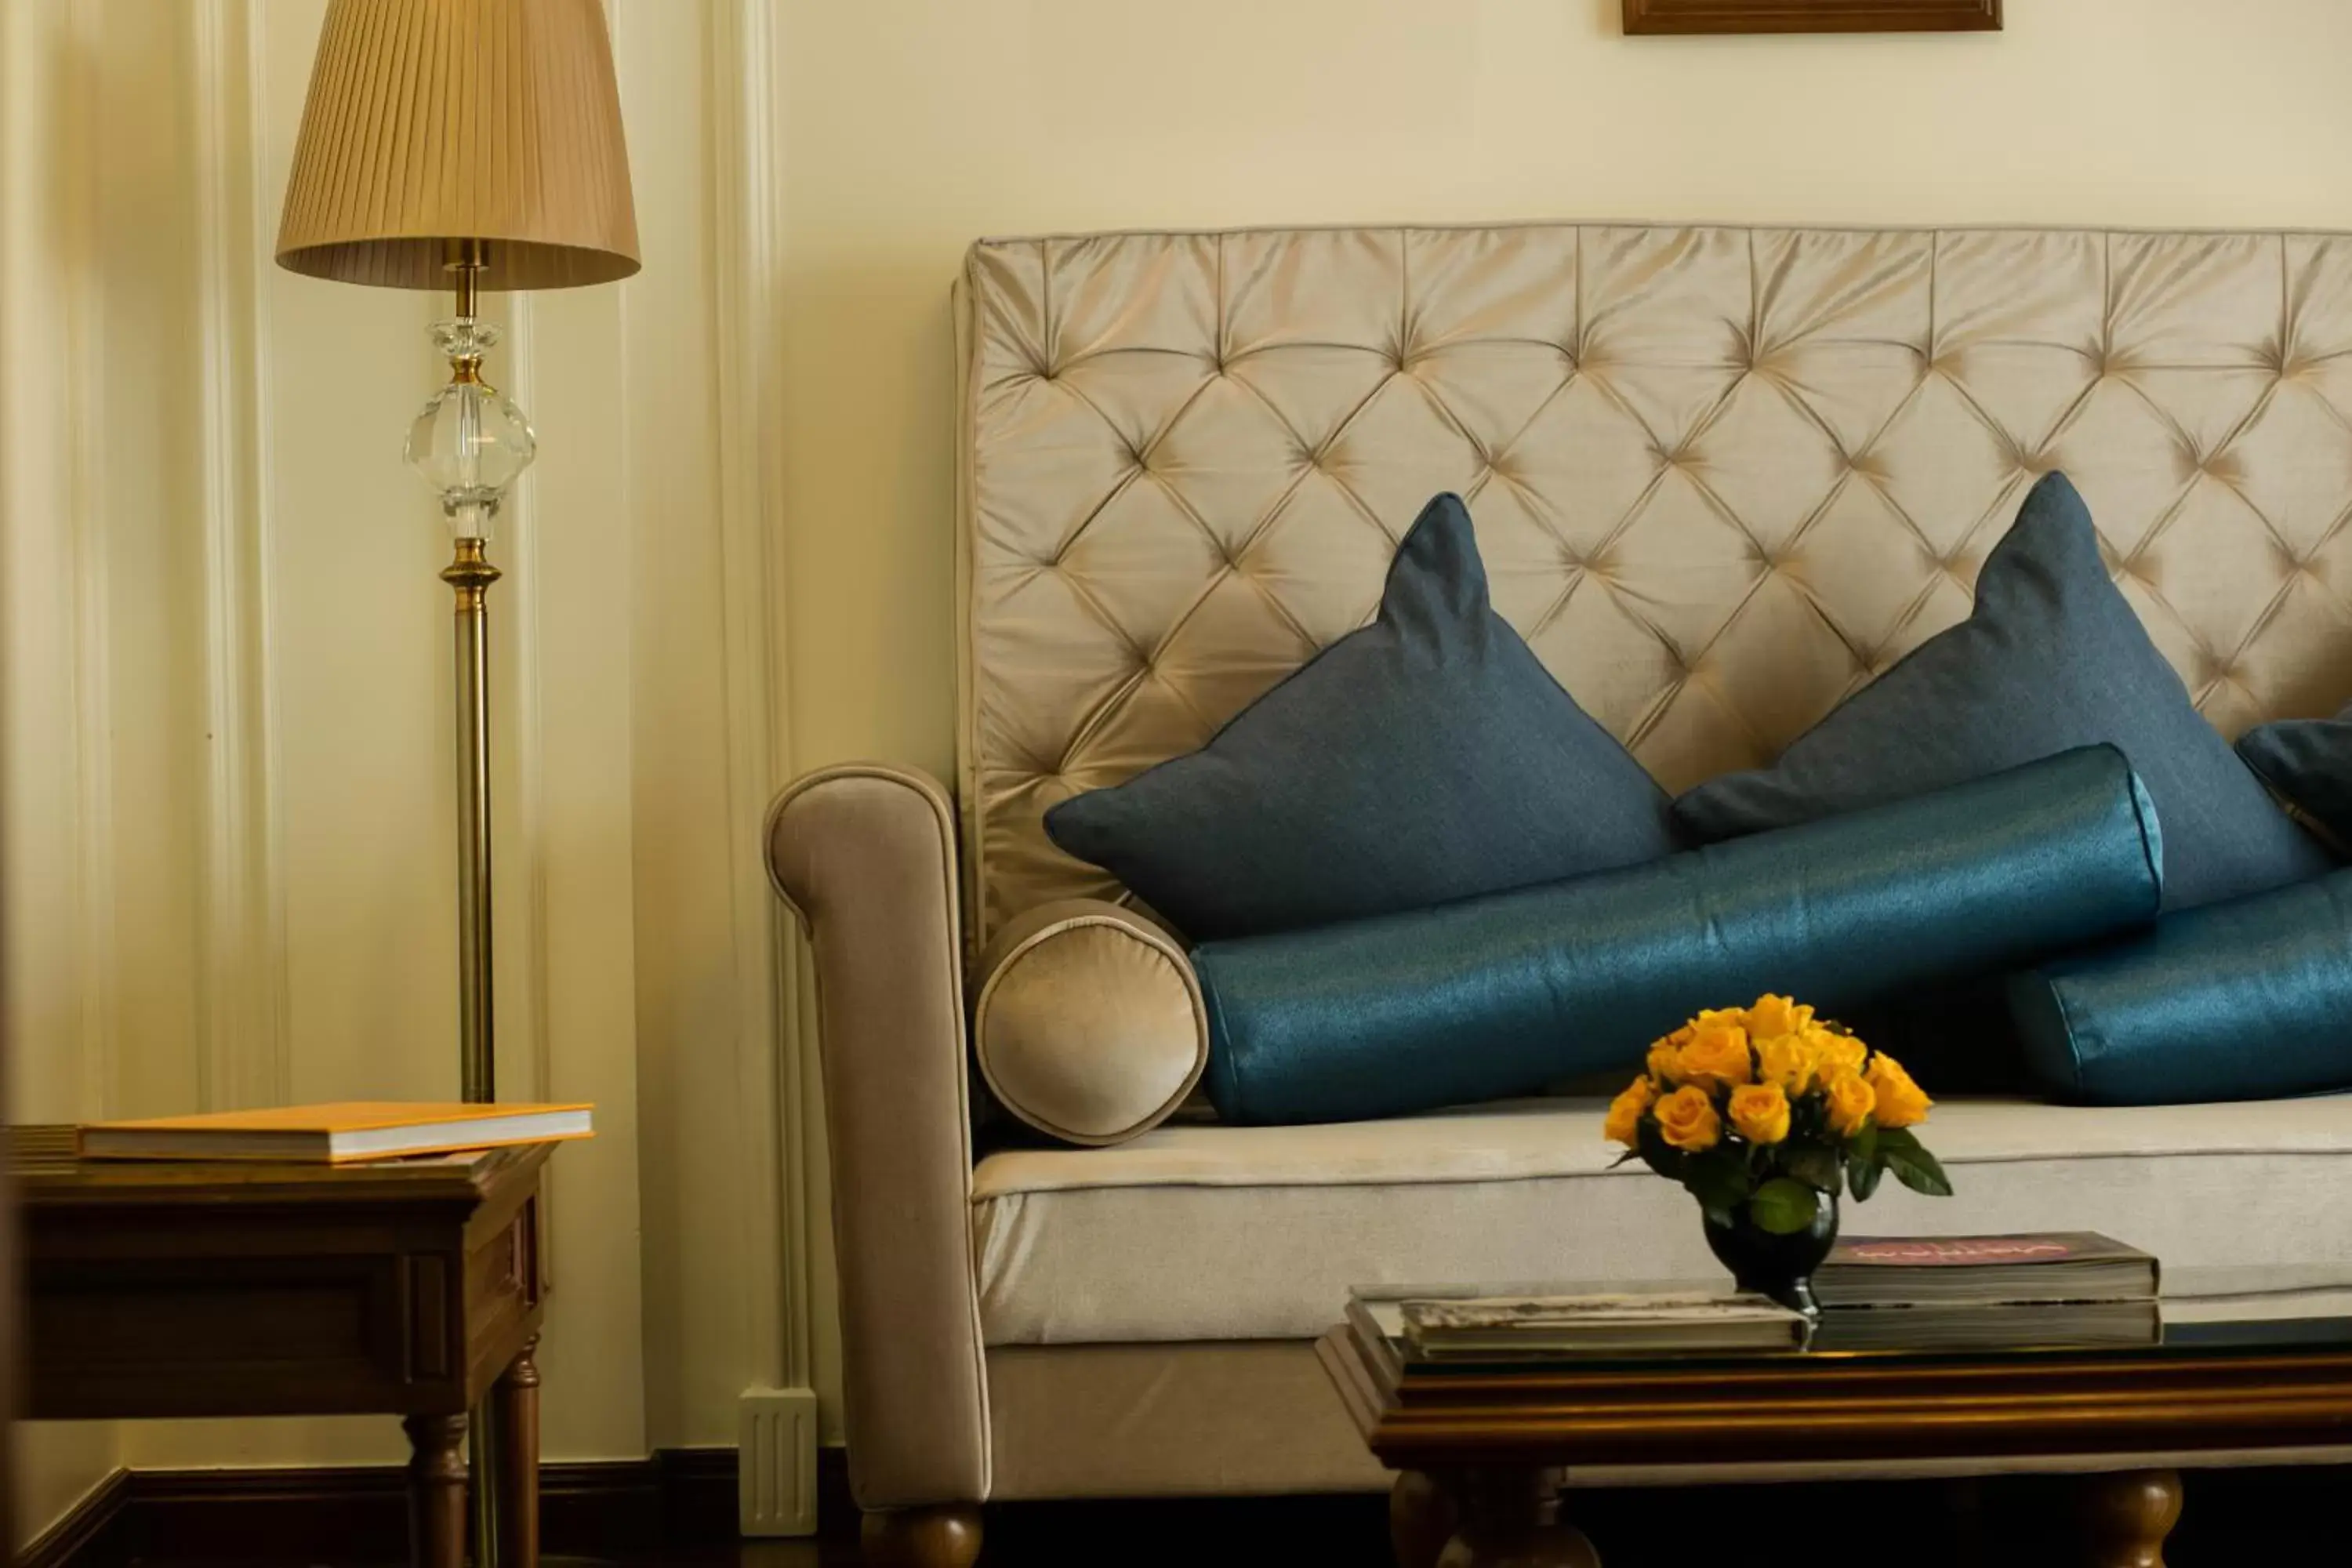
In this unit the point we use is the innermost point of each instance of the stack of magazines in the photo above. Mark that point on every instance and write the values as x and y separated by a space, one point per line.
2068 1290
1971 1292
1397 1327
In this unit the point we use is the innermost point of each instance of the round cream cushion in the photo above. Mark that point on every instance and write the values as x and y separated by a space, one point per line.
1090 1024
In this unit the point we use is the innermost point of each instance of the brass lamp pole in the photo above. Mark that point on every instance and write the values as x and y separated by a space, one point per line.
464 145
470 443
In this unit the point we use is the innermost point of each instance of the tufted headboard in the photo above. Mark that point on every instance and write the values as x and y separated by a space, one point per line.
1721 476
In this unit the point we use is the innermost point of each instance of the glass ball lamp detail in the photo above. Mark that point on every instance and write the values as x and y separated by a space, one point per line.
469 442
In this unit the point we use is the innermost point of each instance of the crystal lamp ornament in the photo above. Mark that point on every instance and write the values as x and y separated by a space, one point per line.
470 442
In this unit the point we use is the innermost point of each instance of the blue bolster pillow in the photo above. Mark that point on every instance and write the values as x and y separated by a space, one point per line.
1498 995
2244 1000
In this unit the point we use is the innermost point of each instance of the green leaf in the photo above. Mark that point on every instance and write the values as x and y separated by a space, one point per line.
1810 1164
1718 1179
1862 1176
1917 1169
1808 1119
1783 1206
1630 1154
1660 1155
1864 1145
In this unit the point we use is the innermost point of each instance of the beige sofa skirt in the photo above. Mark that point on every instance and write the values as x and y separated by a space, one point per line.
1261 1418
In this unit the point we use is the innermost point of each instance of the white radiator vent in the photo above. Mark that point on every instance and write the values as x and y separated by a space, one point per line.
776 1483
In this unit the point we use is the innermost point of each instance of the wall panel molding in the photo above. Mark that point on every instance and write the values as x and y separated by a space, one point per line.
746 78
519 777
242 1057
77 368
62 1009
742 259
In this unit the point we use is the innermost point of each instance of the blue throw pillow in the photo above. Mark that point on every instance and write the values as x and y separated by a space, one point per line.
1497 995
1427 756
2308 761
2053 657
2239 1001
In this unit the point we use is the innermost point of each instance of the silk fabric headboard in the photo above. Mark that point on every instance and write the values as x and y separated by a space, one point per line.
1721 476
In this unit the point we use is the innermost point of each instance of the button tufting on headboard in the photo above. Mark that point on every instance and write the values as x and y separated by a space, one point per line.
1721 476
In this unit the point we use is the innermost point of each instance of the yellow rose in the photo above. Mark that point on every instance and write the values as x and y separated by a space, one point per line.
1774 1016
1719 1054
1851 1101
1759 1112
1789 1061
1663 1062
1836 1053
1624 1123
1686 1120
1901 1104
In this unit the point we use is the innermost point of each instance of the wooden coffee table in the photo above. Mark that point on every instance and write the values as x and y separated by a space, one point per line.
1482 1451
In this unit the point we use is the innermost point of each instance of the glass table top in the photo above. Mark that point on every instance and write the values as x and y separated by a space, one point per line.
2202 1312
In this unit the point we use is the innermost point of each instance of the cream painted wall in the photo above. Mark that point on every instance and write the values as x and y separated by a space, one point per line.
226 765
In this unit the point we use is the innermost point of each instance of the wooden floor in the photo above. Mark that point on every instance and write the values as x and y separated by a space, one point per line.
2246 1518
2242 1520
776 1555
1326 1532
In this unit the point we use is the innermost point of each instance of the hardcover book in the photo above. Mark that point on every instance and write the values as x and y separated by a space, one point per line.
2002 1326
335 1133
1983 1271
1557 1326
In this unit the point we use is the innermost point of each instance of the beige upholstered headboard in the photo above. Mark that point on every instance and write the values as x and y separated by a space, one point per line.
1720 476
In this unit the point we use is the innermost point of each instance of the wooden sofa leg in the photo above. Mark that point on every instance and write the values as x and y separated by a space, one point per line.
2126 1515
943 1537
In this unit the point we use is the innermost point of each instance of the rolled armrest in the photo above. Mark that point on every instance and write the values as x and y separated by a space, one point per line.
866 856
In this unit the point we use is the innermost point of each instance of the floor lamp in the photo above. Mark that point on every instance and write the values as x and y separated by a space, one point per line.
464 145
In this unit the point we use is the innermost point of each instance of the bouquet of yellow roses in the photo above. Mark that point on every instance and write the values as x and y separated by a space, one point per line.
1764 1107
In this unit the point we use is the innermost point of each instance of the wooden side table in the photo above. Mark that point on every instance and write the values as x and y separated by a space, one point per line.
413 1289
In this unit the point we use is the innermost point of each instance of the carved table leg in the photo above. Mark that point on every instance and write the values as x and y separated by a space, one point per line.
2126 1515
944 1537
436 1490
1514 1522
1964 1517
518 1459
1422 1517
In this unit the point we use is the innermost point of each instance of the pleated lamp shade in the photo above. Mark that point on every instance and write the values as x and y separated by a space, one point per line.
431 121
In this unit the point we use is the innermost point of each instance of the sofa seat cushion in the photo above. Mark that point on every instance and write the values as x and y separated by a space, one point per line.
1231 1233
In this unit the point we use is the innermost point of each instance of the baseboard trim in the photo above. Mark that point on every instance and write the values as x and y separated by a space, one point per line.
79 1536
675 1497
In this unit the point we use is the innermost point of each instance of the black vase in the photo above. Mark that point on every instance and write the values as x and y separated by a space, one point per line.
1778 1266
